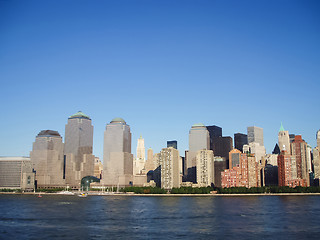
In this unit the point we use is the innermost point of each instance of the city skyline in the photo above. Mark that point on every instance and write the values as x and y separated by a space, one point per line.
161 66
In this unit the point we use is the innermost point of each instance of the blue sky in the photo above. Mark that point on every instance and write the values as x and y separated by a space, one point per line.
160 65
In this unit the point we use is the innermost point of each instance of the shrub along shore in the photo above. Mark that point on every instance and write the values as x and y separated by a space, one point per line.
190 190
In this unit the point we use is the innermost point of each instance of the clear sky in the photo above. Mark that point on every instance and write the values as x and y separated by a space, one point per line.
160 65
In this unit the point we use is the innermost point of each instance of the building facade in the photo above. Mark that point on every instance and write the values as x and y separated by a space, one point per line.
256 149
17 173
299 152
246 174
140 161
284 139
48 160
170 168
173 144
287 171
205 168
198 139
117 157
240 139
78 149
255 134
222 146
214 132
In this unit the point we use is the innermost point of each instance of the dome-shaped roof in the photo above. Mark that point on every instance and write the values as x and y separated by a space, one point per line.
79 115
48 133
121 120
198 125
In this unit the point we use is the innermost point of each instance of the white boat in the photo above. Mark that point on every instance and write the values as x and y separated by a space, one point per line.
65 193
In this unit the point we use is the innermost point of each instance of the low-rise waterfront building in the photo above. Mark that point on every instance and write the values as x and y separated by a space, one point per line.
16 173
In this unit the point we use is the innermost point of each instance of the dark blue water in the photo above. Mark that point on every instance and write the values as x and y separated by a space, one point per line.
123 217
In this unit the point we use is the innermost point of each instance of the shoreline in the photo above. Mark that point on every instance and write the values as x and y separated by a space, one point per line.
166 194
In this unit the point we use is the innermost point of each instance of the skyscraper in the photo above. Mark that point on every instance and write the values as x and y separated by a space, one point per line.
150 164
240 139
78 148
220 164
299 151
170 168
256 149
117 157
198 140
140 161
173 144
284 139
141 151
255 134
222 147
316 158
47 159
214 132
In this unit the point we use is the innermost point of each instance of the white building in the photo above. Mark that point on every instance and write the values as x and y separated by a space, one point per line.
170 168
205 168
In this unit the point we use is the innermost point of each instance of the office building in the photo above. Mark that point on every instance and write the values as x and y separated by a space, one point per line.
78 149
240 139
150 164
198 139
316 157
47 160
284 139
222 147
98 168
173 144
140 161
256 149
117 157
170 168
271 175
234 158
220 164
205 168
299 151
287 171
214 132
255 134
16 173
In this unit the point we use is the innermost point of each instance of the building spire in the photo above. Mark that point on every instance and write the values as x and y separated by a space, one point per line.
281 128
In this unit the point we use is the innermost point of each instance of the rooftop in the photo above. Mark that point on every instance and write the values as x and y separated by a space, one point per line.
79 115
118 120
198 125
46 133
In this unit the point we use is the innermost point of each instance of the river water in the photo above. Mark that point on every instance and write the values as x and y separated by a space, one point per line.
137 217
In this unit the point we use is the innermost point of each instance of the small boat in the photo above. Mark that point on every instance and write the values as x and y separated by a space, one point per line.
82 195
65 193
